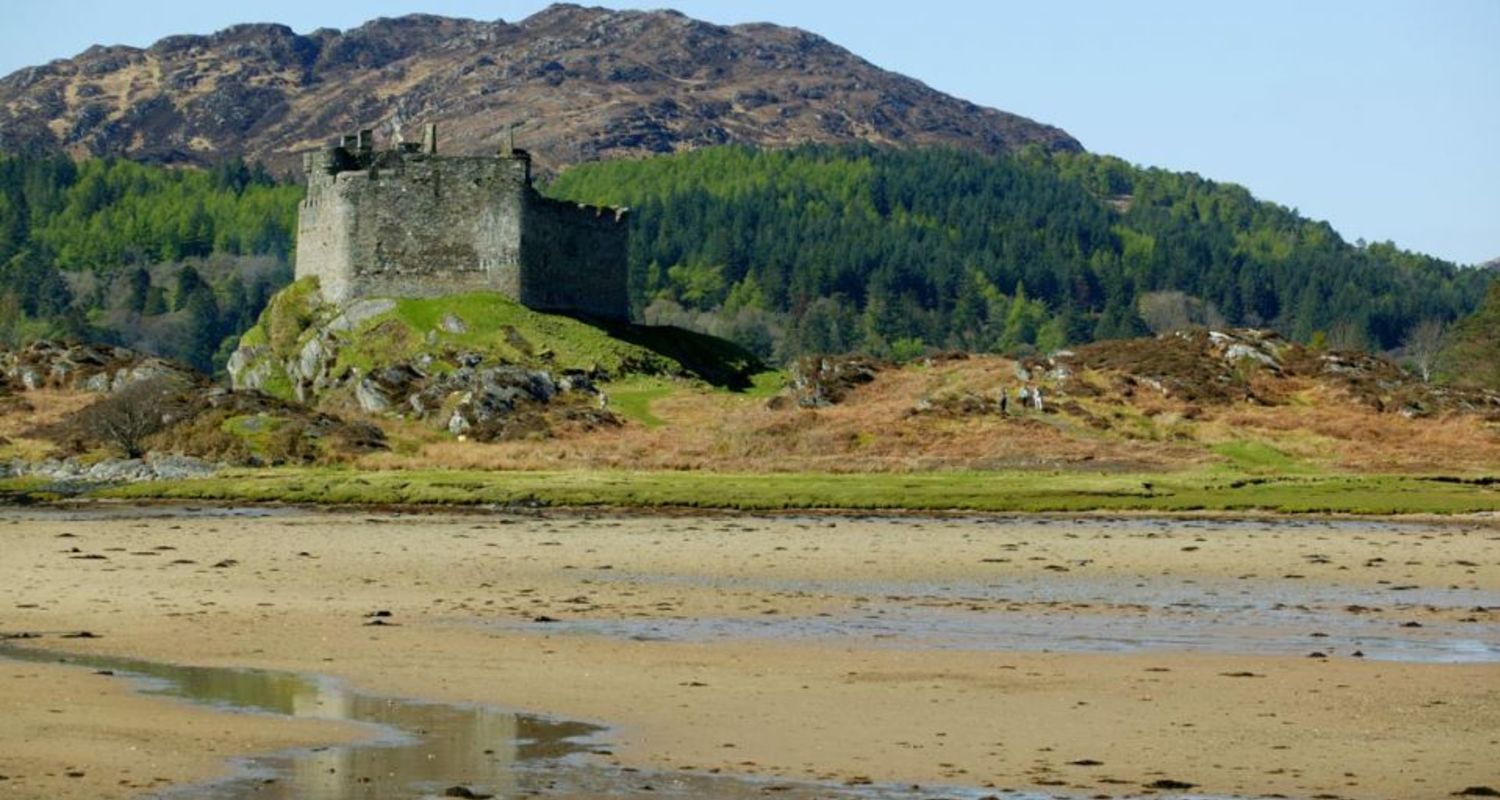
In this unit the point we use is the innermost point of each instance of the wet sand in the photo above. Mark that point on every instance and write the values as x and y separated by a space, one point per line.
829 650
68 732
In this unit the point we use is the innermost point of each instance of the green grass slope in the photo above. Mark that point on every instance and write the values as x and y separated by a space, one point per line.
439 331
938 491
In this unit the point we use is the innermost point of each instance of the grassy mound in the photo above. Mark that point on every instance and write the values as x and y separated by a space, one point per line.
438 333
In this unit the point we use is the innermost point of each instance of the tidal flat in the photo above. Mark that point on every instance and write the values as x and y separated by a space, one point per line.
857 656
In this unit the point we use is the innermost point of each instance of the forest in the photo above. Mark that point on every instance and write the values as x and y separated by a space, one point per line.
176 262
893 253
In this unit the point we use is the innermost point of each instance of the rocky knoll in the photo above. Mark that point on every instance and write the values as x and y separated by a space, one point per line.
1208 367
167 420
46 364
587 83
484 401
1199 369
473 392
477 365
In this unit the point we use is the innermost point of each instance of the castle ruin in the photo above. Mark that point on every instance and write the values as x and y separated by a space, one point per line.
408 222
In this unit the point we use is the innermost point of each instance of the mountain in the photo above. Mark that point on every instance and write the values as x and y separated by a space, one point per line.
586 83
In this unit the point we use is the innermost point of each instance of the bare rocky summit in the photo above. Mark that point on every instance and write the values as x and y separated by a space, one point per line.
587 83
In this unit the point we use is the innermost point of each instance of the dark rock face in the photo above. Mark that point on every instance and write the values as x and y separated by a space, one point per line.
485 402
588 83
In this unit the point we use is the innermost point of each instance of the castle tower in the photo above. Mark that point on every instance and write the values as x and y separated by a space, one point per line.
411 223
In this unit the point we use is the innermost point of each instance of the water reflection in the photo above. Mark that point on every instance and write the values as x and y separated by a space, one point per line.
421 747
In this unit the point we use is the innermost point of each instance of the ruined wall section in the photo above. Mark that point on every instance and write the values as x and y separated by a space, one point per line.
574 258
325 222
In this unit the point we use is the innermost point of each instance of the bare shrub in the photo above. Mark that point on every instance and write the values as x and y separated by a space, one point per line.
1423 344
1176 311
126 418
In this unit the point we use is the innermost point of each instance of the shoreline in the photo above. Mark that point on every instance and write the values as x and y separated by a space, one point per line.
1336 496
728 512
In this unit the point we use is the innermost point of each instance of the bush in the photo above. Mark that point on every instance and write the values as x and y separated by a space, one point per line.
125 419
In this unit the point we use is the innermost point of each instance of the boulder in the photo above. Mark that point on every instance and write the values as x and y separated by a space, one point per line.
175 467
118 470
826 380
1240 351
99 383
384 389
356 313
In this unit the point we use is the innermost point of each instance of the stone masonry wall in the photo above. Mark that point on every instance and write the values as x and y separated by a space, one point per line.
574 258
413 224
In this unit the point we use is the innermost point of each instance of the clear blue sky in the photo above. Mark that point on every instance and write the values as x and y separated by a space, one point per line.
1382 117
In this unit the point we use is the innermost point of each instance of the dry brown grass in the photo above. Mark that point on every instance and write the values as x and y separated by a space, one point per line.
1355 437
875 429
24 413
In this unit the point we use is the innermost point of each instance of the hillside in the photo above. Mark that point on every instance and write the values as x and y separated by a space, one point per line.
587 83
787 252
1233 402
1470 353
835 249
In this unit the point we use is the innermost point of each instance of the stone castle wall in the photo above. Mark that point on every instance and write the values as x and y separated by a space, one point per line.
411 223
557 238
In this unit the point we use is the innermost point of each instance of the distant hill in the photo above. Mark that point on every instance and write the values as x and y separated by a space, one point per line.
587 83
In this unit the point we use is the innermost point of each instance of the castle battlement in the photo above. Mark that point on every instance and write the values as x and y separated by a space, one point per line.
408 222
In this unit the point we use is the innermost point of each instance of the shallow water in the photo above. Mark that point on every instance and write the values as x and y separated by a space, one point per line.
96 511
1079 612
420 749
1272 633
1102 589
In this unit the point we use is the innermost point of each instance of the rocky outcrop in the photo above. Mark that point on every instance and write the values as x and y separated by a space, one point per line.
465 392
818 381
197 424
155 466
1255 366
84 367
483 402
587 83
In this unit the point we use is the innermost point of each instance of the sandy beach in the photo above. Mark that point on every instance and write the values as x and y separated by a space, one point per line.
1084 657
